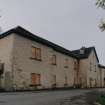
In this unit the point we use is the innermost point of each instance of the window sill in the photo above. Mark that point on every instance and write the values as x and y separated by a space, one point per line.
53 64
35 59
65 84
54 85
66 67
35 85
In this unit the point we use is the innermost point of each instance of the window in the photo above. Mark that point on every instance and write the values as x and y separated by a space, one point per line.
66 63
1 68
75 65
53 60
80 79
74 81
95 82
90 66
93 55
95 68
35 79
36 53
66 81
53 80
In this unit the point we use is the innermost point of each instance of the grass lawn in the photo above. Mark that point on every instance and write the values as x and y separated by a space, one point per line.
101 100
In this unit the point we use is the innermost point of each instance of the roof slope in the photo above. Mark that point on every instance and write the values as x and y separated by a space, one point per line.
24 33
101 66
86 54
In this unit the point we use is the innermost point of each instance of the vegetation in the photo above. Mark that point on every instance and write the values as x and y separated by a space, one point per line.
101 4
102 25
101 100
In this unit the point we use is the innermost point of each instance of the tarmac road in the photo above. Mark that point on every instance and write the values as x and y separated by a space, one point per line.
40 98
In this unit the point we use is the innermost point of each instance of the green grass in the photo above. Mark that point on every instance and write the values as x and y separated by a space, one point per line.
101 100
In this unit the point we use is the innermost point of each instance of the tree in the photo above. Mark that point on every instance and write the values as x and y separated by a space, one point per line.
101 4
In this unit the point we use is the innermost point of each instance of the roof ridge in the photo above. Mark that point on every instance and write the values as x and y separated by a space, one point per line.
25 33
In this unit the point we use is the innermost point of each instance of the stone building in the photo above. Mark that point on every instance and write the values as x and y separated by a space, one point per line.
101 75
88 67
29 62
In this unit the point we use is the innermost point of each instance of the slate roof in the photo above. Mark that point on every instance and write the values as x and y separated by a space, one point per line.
101 66
86 54
24 33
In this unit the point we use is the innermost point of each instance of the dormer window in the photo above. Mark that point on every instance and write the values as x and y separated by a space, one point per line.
82 50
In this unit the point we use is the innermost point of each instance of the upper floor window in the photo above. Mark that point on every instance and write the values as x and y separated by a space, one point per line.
36 53
75 65
93 55
53 60
66 63
90 66
95 68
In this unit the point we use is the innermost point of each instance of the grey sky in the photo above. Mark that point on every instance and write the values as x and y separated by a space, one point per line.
69 23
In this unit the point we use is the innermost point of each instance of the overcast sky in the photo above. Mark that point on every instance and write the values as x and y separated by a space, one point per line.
69 23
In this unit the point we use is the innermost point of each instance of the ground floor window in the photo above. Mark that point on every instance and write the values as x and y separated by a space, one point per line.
1 68
90 82
104 81
35 79
66 82
53 80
